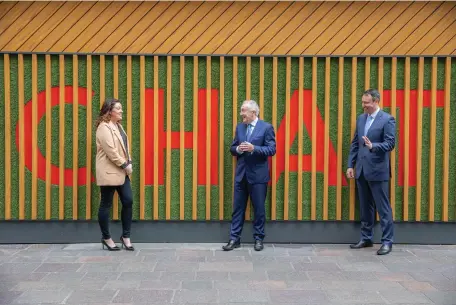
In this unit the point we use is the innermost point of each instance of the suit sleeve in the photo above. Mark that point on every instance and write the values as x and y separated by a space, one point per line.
389 137
235 144
353 149
104 135
269 147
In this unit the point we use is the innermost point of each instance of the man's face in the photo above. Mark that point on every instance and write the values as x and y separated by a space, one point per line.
248 115
369 105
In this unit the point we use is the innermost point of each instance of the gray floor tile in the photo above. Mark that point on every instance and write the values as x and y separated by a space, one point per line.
185 296
203 274
442 298
42 296
143 296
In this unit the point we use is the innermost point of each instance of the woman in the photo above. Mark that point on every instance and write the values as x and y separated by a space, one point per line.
113 167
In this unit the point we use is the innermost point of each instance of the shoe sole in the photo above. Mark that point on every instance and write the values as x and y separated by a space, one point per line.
384 253
368 246
235 247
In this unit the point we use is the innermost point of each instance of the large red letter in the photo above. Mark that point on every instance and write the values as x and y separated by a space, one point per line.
175 141
55 98
319 141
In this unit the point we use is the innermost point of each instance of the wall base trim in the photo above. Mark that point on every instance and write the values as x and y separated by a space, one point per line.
321 232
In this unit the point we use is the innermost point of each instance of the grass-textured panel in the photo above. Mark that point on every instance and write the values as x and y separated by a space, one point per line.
228 131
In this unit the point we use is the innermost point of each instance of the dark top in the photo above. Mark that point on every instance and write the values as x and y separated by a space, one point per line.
124 137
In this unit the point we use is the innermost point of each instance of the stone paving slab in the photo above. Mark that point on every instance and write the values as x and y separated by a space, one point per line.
282 274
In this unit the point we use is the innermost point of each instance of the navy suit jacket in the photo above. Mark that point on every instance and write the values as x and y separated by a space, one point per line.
374 163
255 164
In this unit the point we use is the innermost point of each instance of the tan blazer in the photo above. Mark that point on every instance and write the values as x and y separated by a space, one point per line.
111 154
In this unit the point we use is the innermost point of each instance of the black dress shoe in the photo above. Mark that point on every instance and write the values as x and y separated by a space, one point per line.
105 244
128 248
231 245
362 244
258 245
385 249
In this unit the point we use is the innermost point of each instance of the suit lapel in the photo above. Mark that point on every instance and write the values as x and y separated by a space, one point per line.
243 133
123 144
375 122
117 133
362 124
255 130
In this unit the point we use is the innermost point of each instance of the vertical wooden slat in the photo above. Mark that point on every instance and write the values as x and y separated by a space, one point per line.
34 133
21 138
75 136
208 137
48 138
115 202
102 87
326 139
419 138
142 128
380 78
380 90
156 88
7 86
129 97
61 136
129 103
248 70
367 86
89 138
247 97
195 138
182 140
274 124
446 138
406 138
353 127
261 87
168 136
235 110
340 118
380 81
393 153
221 137
432 139
313 210
102 79
287 139
300 132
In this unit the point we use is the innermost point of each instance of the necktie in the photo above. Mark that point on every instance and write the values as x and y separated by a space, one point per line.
368 124
249 131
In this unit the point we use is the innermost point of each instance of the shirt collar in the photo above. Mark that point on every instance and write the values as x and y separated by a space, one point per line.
254 122
373 115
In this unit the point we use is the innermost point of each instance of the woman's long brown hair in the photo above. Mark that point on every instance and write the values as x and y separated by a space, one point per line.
105 111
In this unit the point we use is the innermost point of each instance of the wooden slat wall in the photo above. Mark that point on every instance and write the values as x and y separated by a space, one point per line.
321 82
280 27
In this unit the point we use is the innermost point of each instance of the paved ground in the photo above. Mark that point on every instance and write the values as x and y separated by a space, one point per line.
203 274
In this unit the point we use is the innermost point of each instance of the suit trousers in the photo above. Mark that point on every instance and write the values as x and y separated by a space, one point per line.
375 194
257 193
126 197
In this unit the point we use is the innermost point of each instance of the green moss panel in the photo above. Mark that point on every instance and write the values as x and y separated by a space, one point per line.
174 112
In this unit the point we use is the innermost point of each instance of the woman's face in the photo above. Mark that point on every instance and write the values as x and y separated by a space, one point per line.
116 112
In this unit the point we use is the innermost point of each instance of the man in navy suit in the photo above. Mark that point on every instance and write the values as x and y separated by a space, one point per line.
253 143
374 139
